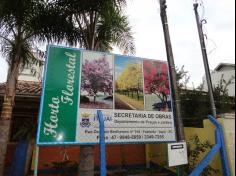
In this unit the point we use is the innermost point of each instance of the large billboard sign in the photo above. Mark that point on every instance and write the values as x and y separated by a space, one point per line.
133 94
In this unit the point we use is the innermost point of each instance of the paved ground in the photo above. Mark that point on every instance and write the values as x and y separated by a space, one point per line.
119 104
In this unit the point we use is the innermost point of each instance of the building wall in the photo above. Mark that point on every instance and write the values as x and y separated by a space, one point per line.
206 134
229 130
140 154
32 71
132 155
216 77
27 75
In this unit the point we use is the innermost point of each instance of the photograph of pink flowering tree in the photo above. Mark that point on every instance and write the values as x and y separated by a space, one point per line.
96 81
157 88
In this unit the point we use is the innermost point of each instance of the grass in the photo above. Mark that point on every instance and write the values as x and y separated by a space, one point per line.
96 105
135 96
139 105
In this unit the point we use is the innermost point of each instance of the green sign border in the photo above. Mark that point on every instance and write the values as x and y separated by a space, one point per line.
61 92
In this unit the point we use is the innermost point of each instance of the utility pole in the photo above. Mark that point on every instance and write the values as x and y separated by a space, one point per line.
205 59
173 76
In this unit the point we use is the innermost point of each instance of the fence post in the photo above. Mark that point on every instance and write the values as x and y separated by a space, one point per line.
102 144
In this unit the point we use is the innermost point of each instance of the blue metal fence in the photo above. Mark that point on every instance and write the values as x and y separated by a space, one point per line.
219 146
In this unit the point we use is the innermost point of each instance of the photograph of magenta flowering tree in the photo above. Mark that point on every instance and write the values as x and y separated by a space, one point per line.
157 88
96 81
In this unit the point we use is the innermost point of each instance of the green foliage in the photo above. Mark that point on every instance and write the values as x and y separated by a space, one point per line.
99 24
23 23
182 78
195 104
224 103
197 148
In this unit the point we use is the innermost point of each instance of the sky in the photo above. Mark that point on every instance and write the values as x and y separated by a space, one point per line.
144 17
121 62
220 31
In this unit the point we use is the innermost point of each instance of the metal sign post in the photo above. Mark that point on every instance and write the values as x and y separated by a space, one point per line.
102 143
205 59
173 76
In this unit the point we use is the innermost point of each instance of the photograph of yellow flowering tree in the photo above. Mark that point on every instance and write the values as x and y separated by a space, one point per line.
128 83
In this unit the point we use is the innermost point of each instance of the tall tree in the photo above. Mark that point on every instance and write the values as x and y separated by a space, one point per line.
22 22
100 25
95 25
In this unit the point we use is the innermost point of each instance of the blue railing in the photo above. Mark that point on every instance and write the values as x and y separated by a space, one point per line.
219 146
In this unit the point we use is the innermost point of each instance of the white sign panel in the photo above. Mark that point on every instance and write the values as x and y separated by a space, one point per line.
126 126
177 154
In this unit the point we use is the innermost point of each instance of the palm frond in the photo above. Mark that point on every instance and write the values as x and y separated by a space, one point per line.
114 27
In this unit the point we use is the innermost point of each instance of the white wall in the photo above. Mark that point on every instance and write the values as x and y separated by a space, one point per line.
216 77
229 133
32 71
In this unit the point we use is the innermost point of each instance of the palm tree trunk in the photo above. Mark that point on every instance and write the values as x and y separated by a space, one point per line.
7 109
4 133
86 166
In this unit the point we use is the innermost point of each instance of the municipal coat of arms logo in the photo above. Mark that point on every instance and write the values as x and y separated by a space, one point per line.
85 123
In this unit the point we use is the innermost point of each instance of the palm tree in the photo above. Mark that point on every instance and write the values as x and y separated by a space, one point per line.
100 25
22 22
96 25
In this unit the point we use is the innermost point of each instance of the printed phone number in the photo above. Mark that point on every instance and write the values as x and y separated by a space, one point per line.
128 137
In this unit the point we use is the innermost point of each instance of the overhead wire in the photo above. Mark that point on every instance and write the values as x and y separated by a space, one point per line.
204 21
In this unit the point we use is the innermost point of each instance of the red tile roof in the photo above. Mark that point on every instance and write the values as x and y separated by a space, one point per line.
25 88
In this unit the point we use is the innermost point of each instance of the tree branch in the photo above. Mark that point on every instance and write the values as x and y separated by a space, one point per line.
8 40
